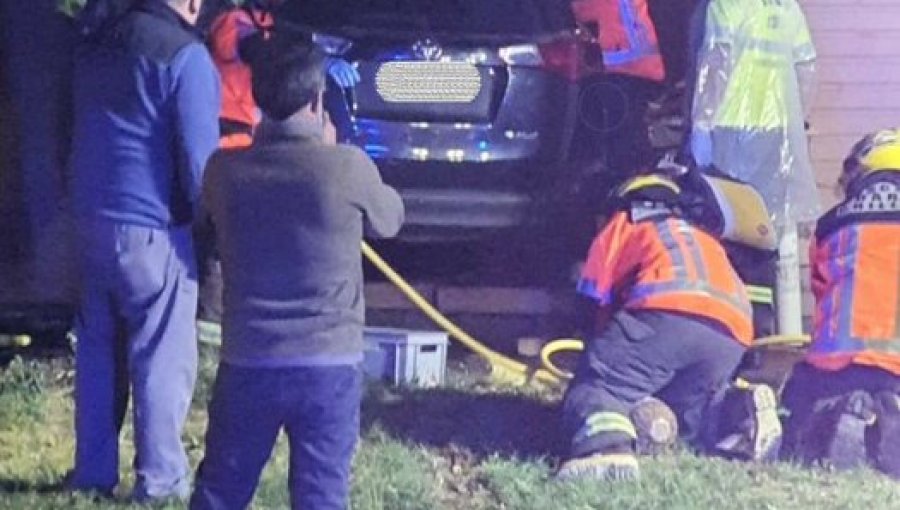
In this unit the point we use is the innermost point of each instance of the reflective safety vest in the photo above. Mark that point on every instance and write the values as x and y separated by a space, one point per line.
626 36
238 106
665 263
856 281
762 41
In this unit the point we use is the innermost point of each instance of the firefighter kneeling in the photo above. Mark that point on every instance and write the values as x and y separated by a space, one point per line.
674 322
843 401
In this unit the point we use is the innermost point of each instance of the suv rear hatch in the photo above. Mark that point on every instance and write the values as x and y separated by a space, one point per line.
444 61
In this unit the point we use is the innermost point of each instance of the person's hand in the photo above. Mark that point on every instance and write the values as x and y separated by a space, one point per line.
329 132
701 147
342 72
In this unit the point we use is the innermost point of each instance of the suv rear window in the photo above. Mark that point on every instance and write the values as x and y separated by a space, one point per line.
503 18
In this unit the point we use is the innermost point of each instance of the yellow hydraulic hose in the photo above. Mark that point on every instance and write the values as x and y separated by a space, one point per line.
557 346
503 369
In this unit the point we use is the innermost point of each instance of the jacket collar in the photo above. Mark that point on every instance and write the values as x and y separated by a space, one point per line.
159 9
270 130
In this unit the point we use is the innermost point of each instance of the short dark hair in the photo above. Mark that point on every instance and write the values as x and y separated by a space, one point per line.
287 75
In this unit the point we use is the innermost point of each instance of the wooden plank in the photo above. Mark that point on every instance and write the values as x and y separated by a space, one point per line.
859 70
838 17
855 42
862 95
813 4
852 121
833 147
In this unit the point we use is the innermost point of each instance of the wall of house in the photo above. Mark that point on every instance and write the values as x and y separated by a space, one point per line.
858 43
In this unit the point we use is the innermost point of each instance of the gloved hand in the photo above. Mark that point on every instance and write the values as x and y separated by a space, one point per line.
342 72
701 147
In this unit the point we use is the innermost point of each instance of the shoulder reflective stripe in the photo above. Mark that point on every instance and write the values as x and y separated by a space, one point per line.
622 57
761 295
630 23
826 330
676 257
696 254
850 249
588 288
640 44
605 422
646 290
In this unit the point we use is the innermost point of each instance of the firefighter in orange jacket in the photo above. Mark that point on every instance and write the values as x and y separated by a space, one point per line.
613 105
239 114
675 321
844 399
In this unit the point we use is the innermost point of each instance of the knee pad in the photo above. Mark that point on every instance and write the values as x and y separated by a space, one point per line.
656 426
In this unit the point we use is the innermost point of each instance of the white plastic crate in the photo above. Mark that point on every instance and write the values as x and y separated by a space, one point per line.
407 357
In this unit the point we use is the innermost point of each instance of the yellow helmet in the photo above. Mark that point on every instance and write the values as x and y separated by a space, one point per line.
649 186
875 152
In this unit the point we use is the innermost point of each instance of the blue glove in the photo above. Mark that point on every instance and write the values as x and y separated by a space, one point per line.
342 72
701 147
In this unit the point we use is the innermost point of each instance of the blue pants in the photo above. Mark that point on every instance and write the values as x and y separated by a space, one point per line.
319 410
135 328
681 360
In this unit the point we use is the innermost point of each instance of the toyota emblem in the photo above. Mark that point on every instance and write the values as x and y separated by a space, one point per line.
427 49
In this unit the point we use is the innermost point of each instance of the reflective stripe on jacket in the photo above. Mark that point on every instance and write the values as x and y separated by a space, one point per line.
856 282
626 35
762 41
666 264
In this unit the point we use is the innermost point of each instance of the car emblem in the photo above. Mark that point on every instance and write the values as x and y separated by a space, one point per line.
426 49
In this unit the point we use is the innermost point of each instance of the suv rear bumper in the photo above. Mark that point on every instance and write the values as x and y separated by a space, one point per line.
462 213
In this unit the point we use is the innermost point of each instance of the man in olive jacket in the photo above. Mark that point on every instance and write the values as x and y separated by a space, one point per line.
289 214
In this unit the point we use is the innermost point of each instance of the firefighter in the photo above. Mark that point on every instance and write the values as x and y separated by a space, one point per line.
228 34
843 400
674 321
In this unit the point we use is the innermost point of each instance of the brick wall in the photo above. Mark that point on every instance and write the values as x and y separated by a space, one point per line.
858 42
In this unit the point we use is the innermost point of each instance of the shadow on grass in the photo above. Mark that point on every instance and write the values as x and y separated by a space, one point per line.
13 486
482 424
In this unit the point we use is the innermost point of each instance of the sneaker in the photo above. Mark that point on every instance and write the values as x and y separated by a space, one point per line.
656 426
766 426
885 450
845 432
758 437
609 467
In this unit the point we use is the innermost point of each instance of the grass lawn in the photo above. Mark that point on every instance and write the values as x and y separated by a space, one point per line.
465 446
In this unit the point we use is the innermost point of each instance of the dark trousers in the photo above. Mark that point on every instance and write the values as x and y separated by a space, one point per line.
318 407
809 388
682 360
135 329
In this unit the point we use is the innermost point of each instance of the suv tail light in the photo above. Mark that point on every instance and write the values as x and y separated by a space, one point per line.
563 56
332 45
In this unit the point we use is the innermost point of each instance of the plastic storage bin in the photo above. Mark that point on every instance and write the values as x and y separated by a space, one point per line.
405 357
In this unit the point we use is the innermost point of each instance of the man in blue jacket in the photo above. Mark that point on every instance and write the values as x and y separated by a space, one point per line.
146 119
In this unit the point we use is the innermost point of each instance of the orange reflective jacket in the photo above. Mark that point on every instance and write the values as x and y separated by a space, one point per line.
225 35
627 36
856 282
666 264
